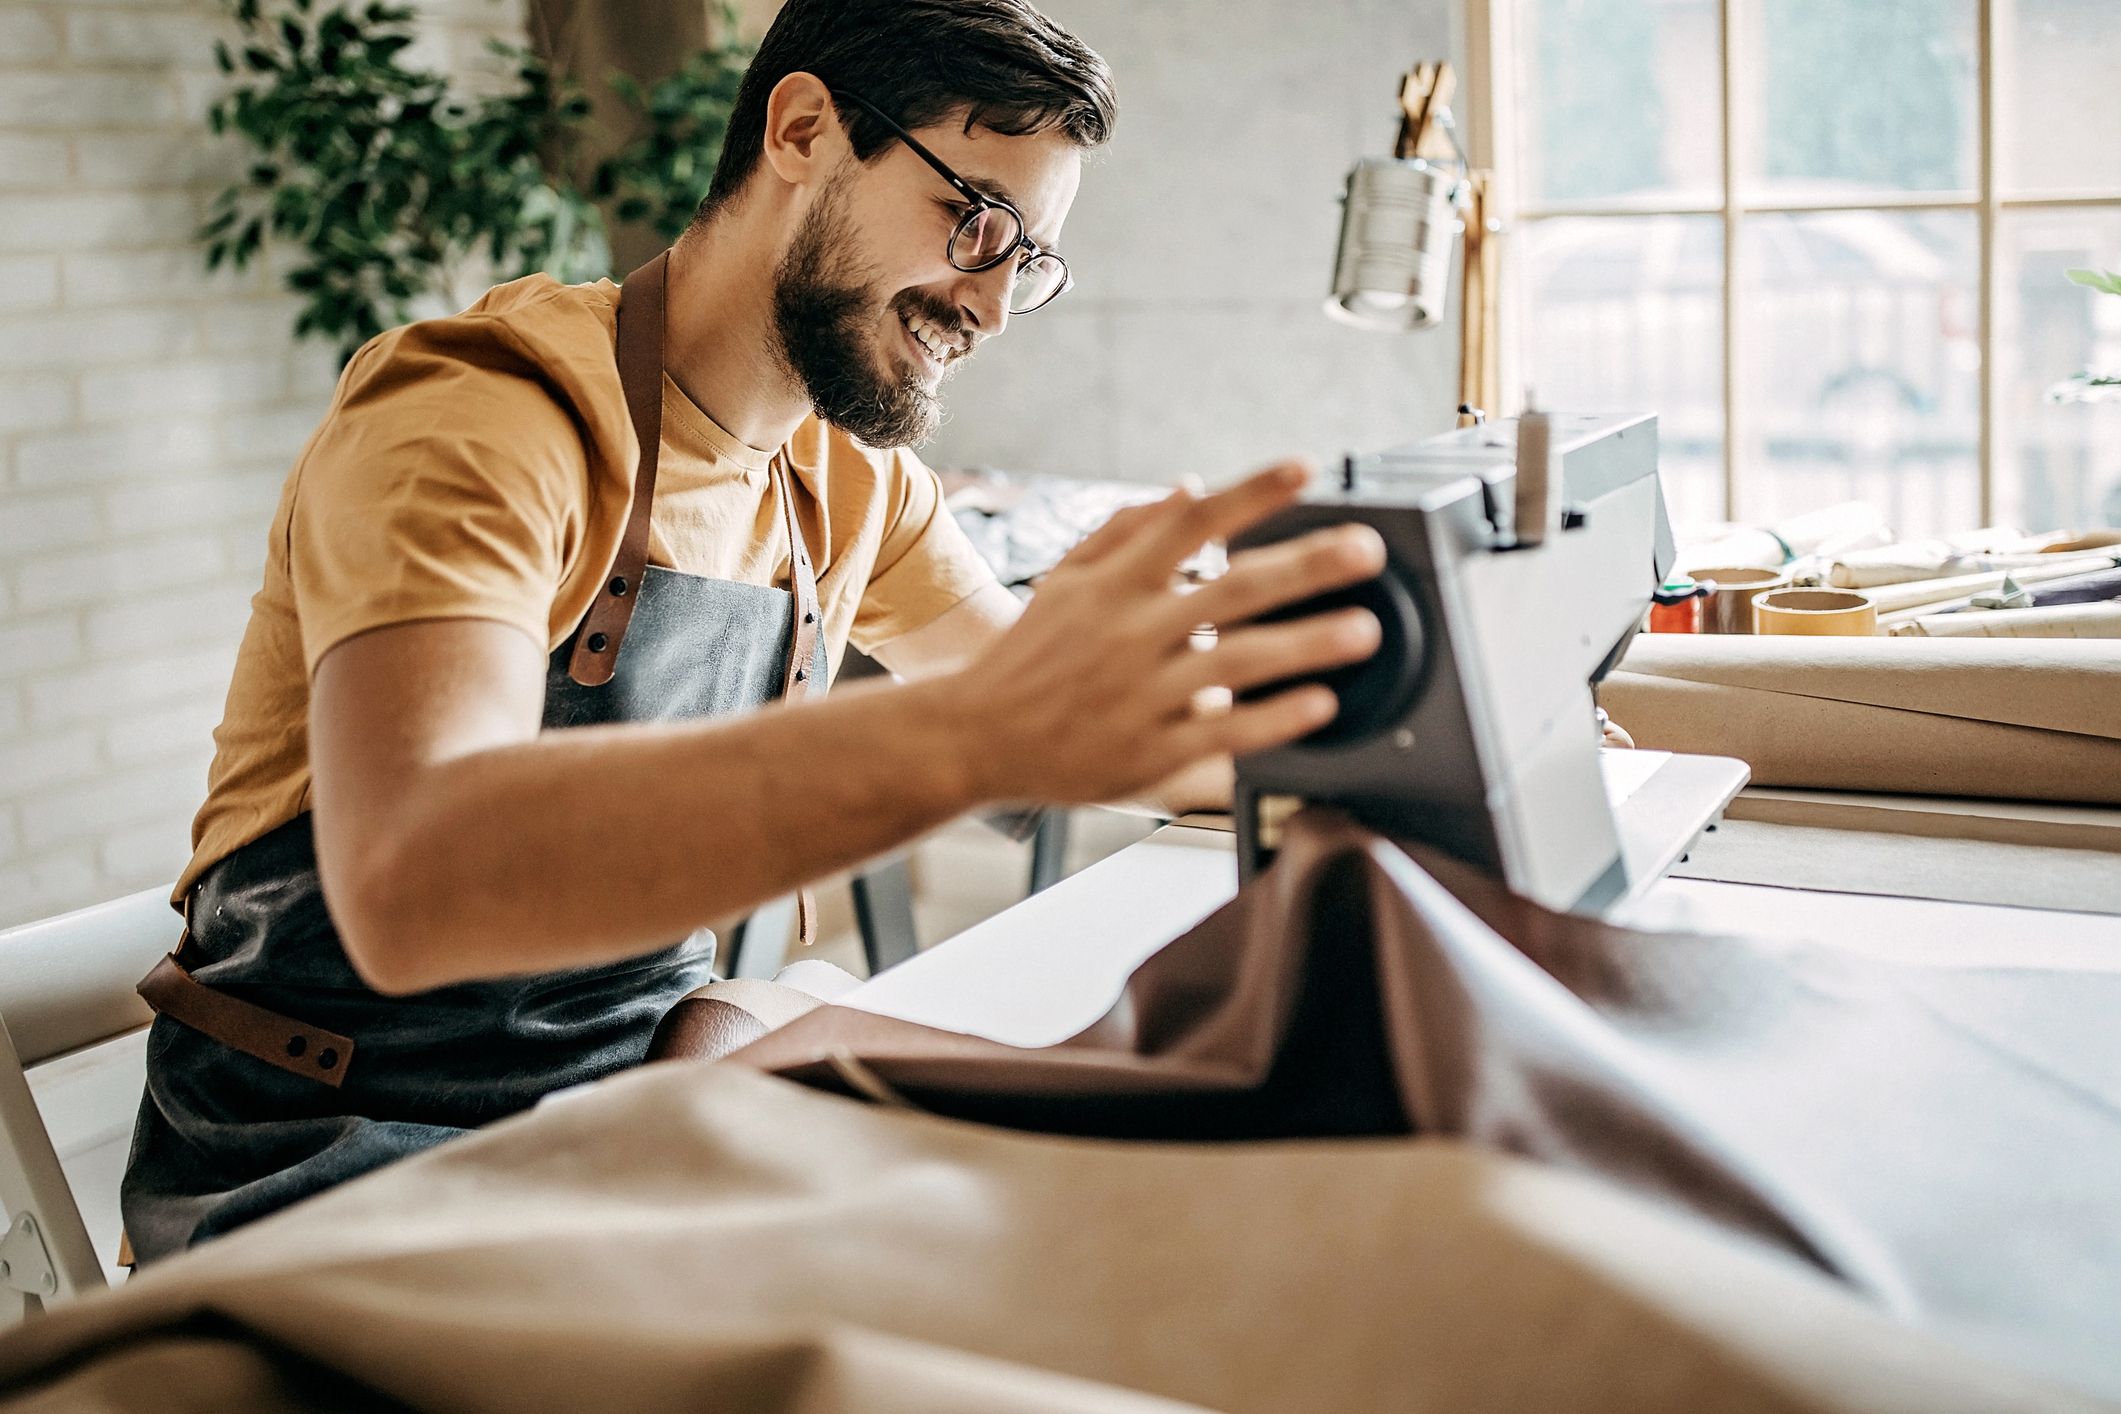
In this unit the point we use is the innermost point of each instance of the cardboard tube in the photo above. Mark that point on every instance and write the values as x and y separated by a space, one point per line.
1839 612
1730 605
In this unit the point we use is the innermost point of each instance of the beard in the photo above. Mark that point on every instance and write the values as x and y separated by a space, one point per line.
826 310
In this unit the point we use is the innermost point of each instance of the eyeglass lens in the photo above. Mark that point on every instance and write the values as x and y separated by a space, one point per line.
992 234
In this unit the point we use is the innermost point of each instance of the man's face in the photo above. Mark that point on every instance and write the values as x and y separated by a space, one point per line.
872 314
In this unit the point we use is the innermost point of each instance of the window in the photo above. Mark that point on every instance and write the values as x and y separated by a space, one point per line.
1824 239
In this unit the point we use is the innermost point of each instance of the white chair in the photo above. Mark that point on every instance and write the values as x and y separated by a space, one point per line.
73 1062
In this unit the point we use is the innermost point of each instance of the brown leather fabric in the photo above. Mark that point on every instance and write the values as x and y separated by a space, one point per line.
1933 1137
640 354
682 1238
307 1051
703 1028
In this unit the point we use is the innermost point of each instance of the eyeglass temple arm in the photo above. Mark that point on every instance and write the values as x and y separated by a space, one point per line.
964 188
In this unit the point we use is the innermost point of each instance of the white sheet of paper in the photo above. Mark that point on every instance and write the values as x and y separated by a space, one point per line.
1626 770
1037 973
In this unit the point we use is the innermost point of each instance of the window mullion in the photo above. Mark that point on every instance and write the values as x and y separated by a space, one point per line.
1727 18
1991 371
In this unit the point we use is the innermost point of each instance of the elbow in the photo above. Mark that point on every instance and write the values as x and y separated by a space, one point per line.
375 907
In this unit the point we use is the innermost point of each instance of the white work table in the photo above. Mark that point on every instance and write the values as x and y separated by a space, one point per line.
1043 970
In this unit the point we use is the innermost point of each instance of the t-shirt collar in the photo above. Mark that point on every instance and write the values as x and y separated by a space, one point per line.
688 429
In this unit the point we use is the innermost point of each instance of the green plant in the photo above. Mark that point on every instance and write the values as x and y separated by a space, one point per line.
2105 281
384 181
2089 387
662 177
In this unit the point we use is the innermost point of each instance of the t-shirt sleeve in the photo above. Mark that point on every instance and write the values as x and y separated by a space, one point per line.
438 489
924 566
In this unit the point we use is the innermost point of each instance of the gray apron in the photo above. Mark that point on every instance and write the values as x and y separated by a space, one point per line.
274 1072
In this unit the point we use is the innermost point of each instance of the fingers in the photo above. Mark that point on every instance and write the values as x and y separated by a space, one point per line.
1290 571
1125 524
1183 523
1264 653
1256 726
1157 537
1226 512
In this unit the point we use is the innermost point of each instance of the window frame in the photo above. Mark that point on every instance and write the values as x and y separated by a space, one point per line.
1491 119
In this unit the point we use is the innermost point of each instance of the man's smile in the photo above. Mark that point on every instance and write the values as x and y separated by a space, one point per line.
934 348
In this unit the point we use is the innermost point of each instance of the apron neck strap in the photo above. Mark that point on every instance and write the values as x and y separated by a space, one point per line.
596 642
802 680
640 356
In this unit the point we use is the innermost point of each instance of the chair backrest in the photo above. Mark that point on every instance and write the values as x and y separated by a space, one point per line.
71 1038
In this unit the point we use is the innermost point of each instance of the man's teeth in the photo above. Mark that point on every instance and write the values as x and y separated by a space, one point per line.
931 340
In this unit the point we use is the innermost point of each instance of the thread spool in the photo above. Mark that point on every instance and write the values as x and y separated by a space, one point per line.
1730 603
1824 612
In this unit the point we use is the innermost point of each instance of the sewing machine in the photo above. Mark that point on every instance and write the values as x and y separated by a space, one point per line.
1518 569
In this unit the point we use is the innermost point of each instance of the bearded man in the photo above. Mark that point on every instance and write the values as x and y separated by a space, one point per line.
534 682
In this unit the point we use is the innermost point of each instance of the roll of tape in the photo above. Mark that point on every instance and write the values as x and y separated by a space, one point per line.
1840 612
1730 604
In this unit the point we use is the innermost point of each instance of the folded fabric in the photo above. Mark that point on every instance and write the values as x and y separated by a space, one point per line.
702 1237
2023 719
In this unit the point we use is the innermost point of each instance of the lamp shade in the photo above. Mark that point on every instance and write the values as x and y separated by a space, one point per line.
1394 266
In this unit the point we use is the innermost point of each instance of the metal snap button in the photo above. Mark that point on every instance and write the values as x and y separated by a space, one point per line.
618 584
297 1044
597 642
328 1057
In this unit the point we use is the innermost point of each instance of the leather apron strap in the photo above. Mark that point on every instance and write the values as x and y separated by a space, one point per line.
324 1055
596 643
308 1051
802 651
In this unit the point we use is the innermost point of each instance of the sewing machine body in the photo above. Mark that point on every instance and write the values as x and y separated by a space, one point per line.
1476 730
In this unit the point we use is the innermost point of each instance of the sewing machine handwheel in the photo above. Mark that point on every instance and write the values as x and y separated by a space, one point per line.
1377 693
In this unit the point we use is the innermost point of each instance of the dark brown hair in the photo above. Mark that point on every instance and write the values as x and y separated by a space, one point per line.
1001 63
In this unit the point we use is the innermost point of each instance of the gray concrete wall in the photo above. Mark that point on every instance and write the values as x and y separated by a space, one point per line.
1202 245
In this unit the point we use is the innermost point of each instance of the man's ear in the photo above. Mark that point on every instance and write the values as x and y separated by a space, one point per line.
804 139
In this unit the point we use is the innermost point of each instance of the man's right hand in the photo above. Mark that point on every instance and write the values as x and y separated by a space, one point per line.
1092 695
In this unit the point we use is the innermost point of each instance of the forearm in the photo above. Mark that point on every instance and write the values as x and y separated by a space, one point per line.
457 840
588 846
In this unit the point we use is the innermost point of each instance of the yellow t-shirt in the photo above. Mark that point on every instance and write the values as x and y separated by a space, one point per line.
481 467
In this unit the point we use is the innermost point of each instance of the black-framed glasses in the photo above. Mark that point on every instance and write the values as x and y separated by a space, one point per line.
990 232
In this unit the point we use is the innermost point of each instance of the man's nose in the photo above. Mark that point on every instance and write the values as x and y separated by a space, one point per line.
984 298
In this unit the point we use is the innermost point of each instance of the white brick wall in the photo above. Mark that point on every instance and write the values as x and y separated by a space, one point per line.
148 413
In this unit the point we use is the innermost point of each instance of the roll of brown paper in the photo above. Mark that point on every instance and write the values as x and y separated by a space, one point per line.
1895 598
2095 620
2006 718
1833 612
1730 607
